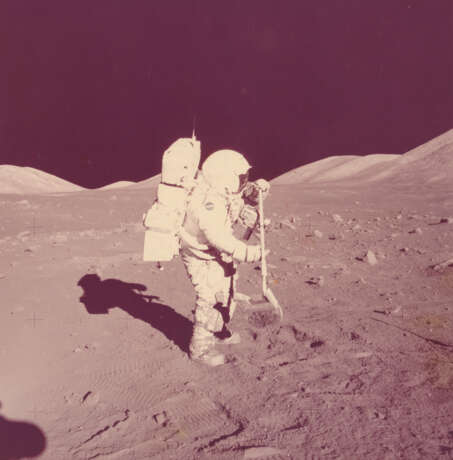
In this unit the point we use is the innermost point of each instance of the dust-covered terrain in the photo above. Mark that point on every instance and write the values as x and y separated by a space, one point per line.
94 341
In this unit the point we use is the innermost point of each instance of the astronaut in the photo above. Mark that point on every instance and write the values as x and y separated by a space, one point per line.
211 252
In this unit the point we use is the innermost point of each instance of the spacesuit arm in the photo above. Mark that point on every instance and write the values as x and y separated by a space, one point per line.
215 224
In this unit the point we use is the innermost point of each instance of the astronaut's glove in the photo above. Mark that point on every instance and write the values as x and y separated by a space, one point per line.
263 185
248 216
252 189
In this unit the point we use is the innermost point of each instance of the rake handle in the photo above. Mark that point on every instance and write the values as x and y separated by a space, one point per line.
263 255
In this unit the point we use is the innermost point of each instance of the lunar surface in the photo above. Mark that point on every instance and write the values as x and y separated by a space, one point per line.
94 341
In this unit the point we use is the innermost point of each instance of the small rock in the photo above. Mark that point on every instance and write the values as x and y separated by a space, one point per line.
317 234
371 258
294 259
90 398
446 220
399 216
337 218
258 452
60 238
287 224
416 230
161 418
443 265
23 235
316 280
405 250
363 354
356 227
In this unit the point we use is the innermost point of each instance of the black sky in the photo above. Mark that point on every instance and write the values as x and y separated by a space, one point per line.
94 90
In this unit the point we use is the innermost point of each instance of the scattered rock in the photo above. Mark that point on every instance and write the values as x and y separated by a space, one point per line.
90 398
363 354
294 259
446 220
23 236
316 280
371 258
443 265
161 418
285 223
258 452
317 343
60 238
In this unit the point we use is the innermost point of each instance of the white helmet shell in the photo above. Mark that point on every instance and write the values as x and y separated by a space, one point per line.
222 170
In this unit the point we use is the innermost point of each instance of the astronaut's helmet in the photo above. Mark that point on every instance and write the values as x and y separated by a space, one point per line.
226 171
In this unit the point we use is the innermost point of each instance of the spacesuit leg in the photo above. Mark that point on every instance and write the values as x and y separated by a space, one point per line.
208 279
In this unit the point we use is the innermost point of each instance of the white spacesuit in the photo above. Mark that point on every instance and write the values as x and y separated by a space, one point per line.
210 251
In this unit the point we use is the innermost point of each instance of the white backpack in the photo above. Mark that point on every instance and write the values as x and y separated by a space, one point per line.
164 219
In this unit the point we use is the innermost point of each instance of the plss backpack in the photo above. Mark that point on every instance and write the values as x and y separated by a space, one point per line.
164 219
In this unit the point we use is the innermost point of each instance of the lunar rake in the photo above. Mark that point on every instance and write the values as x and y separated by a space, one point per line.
269 298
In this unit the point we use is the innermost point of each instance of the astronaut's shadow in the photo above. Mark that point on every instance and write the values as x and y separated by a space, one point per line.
100 296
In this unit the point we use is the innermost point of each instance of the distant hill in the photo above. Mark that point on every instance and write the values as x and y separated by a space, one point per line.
115 185
25 180
431 162
147 183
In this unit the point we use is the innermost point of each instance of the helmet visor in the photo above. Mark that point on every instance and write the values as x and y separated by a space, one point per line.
243 180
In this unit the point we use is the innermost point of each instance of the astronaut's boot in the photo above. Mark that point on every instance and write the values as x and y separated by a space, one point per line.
211 358
202 348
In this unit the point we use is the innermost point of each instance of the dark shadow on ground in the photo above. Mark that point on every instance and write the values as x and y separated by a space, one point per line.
20 440
101 295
